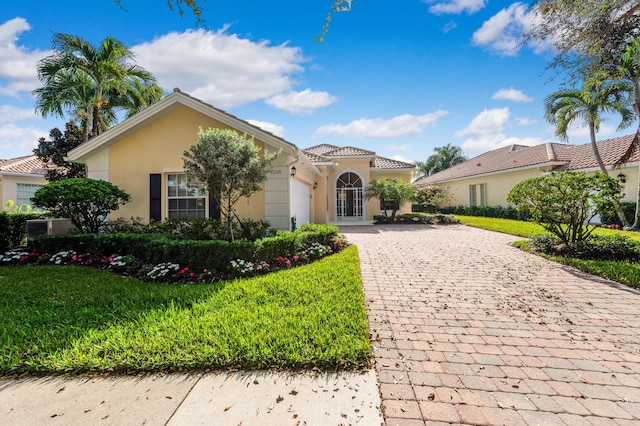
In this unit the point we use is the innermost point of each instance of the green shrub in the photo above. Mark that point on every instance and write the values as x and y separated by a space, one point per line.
13 228
86 202
486 211
176 248
197 229
611 218
417 218
599 247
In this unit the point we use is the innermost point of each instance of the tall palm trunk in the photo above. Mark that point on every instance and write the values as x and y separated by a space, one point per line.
636 141
617 206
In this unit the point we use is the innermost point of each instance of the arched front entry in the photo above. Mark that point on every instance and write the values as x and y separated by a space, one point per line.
349 194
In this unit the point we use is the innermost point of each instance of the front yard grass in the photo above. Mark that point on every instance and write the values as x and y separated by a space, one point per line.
56 319
624 272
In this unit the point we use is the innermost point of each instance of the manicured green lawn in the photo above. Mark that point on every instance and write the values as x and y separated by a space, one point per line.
69 318
620 271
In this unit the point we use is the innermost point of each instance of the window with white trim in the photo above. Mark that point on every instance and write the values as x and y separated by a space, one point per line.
24 193
185 202
478 195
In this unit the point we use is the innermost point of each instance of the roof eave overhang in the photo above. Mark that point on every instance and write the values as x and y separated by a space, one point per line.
82 152
539 166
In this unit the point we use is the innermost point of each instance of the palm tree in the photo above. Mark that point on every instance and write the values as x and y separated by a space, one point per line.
629 71
444 157
78 70
395 191
565 107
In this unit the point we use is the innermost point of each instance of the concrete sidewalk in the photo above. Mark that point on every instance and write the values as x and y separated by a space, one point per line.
224 398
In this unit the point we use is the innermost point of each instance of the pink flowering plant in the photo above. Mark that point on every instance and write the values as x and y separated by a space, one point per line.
433 197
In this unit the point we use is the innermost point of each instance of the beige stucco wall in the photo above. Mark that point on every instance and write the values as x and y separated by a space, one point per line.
9 185
499 185
324 196
157 147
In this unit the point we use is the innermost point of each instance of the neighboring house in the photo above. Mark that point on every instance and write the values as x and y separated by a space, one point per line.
487 179
20 178
143 155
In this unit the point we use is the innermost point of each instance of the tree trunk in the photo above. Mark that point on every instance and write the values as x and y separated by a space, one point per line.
636 108
603 169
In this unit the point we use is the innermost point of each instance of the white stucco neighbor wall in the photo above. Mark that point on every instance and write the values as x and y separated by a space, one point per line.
276 195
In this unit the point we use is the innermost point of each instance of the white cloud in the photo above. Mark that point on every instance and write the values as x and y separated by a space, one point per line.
399 148
18 65
524 121
455 6
220 68
449 26
10 113
269 127
502 32
577 133
401 125
304 102
487 122
17 138
511 95
485 132
401 158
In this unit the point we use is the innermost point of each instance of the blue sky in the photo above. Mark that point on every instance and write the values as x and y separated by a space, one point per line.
399 78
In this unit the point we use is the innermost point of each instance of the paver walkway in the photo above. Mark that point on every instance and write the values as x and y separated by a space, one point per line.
467 329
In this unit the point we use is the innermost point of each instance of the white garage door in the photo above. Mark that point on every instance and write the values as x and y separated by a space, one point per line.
300 202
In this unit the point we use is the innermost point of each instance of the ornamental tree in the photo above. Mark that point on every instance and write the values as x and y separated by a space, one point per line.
229 166
432 196
55 150
86 202
564 203
397 191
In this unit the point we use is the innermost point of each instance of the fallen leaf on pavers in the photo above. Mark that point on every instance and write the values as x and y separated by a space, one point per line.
228 408
87 410
256 382
314 390
55 415
61 389
431 396
586 381
343 415
293 392
105 417
168 397
279 398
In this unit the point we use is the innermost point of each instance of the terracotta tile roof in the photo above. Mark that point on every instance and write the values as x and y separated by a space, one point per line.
28 165
611 150
550 155
388 163
327 153
321 149
316 158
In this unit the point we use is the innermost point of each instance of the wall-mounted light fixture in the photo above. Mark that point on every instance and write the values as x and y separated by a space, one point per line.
315 185
293 171
622 177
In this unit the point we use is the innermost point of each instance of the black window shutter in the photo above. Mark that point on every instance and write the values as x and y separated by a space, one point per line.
155 196
214 208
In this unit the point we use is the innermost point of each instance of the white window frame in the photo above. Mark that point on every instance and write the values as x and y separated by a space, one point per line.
190 202
26 188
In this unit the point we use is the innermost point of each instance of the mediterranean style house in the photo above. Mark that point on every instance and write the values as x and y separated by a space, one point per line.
486 180
143 155
20 178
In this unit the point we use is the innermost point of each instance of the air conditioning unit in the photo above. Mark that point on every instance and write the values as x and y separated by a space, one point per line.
37 227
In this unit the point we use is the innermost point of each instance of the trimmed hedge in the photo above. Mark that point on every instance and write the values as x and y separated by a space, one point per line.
13 228
485 211
160 248
416 218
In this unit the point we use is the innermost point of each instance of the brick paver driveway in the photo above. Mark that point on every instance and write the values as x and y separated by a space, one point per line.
467 329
